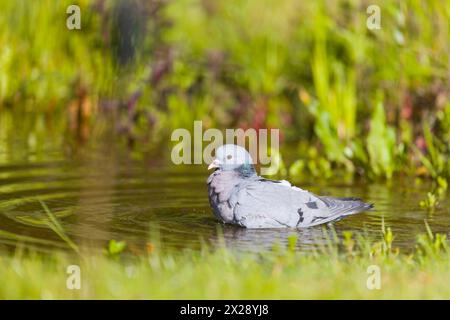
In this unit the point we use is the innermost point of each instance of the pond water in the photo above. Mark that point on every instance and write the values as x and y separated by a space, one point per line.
101 194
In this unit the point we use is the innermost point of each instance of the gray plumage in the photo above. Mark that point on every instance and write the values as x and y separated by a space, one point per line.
239 196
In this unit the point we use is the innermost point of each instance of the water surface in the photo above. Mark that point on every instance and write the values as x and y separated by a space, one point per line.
100 194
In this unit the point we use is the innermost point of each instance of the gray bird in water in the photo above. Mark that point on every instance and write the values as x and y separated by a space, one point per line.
239 196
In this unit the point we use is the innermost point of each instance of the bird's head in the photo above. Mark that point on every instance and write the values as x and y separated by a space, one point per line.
232 157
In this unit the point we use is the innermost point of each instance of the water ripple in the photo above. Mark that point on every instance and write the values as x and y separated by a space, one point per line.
102 199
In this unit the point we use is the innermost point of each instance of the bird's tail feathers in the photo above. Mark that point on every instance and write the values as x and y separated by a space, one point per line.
341 207
345 206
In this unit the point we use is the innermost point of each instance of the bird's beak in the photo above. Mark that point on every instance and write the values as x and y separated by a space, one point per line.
214 164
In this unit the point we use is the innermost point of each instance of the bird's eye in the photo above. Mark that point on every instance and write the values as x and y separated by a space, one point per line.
229 157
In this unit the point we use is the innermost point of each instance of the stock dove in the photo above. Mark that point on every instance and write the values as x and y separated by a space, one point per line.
239 196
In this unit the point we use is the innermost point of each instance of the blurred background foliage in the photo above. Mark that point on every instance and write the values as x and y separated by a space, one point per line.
371 102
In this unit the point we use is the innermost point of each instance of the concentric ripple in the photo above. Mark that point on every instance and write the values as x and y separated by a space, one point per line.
102 198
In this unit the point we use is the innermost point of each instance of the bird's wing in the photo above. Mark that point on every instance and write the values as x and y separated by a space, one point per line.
266 203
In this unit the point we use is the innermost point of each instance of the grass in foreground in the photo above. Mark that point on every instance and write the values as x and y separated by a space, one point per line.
338 270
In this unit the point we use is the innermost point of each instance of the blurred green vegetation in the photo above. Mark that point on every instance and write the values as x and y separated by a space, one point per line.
373 102
337 269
